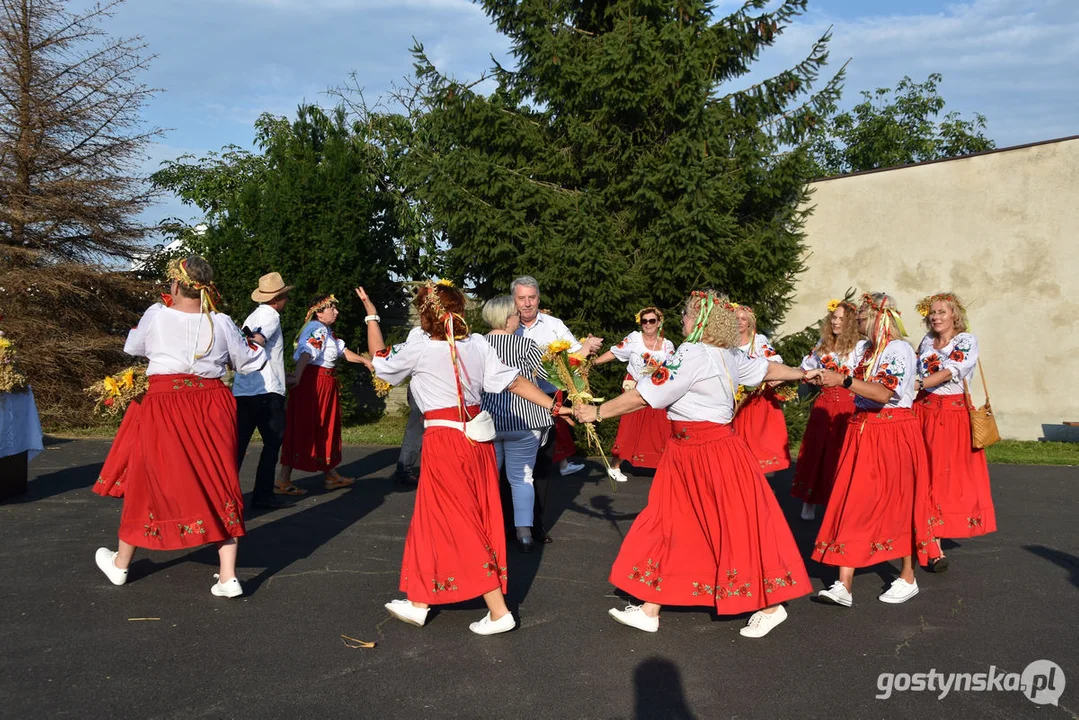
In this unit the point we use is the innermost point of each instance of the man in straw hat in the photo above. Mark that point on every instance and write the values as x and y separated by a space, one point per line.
260 396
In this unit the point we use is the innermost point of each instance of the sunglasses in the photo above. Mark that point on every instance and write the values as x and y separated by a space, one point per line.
649 321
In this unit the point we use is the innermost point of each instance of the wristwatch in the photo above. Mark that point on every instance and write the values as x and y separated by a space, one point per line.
848 381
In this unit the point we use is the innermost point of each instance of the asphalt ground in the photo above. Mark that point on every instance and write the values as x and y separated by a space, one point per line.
162 646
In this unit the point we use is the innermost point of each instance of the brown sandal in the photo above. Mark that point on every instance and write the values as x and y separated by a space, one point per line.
337 481
288 489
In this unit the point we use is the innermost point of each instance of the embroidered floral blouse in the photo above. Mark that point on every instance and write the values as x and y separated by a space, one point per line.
639 359
842 364
759 346
320 343
698 383
959 356
433 384
896 370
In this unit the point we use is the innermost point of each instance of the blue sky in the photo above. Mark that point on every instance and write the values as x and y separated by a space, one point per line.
223 62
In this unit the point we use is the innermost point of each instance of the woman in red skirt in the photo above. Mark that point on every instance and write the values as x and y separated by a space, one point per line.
181 488
455 549
312 441
959 475
110 479
713 533
839 349
642 435
879 509
759 419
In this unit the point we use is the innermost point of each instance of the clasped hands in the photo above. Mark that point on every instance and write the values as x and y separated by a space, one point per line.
824 378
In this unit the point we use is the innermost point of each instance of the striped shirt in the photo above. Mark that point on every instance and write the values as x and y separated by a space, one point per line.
509 411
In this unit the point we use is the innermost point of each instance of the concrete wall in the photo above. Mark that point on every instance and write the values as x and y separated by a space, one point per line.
999 230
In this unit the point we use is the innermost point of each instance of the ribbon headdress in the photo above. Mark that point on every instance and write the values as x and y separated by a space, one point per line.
208 296
456 329
887 319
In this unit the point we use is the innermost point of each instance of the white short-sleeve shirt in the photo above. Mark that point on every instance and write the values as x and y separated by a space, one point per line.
698 382
433 384
271 378
896 370
319 342
959 356
171 339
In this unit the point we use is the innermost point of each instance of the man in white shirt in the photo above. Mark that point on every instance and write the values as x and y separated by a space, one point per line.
544 330
260 396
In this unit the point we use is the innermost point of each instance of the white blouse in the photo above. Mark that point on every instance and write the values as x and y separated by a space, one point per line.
321 344
637 356
428 362
759 346
896 370
170 339
959 356
698 383
842 364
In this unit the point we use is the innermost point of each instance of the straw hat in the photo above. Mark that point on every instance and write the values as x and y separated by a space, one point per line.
270 286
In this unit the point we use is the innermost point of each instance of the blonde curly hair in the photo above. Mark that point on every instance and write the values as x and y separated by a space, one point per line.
721 326
848 337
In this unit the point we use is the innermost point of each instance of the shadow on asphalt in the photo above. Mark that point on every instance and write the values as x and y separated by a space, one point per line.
658 693
58 483
274 546
1065 560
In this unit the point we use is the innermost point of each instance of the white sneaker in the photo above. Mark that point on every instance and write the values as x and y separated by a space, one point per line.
572 467
899 592
617 475
809 511
634 616
228 589
106 562
838 594
405 611
761 623
487 626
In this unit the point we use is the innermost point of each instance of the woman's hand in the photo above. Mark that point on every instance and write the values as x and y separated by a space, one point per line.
585 413
368 306
829 378
291 380
812 377
259 339
565 411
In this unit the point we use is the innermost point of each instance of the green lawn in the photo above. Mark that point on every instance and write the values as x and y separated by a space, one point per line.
391 428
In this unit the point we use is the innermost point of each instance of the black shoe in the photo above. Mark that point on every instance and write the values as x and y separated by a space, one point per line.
938 566
270 503
541 537
526 545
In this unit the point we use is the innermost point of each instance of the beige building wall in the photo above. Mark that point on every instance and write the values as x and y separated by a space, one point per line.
999 230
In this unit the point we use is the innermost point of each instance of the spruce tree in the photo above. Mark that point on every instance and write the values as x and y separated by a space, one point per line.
624 159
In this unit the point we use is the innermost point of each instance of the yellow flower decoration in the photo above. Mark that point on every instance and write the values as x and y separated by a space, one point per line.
924 305
112 386
833 304
445 283
637 318
558 346
382 388
129 379
4 343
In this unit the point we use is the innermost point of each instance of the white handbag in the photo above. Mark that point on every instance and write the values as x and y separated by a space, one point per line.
481 428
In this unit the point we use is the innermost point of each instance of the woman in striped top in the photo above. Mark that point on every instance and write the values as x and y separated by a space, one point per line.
520 425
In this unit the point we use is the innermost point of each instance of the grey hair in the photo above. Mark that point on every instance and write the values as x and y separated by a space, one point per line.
524 281
497 311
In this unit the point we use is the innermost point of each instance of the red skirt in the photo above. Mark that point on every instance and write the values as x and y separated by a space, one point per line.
712 532
182 488
880 507
564 447
823 439
642 435
313 422
958 474
455 549
761 424
110 481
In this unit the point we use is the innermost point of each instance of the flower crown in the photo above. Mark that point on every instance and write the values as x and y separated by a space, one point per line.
926 303
321 305
649 309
